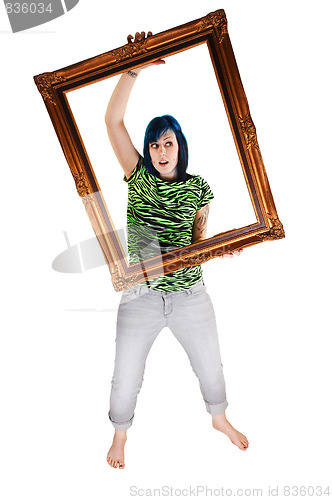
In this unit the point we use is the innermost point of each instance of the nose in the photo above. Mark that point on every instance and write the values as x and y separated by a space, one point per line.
163 150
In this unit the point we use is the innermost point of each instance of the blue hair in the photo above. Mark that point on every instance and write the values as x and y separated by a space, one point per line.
155 129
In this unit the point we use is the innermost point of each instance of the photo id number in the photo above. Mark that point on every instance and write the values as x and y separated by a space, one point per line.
310 491
28 8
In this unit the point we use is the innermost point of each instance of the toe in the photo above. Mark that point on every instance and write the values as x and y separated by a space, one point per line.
245 440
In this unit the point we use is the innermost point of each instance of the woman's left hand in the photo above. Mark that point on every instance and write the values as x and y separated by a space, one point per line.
231 254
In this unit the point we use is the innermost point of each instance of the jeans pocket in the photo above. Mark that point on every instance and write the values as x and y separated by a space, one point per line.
198 289
128 294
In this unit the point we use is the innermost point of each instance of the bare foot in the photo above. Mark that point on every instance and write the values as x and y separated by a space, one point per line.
115 456
220 423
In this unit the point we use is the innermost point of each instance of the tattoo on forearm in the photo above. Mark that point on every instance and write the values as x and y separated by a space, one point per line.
133 74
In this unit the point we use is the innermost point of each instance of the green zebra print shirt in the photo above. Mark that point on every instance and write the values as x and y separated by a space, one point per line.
160 219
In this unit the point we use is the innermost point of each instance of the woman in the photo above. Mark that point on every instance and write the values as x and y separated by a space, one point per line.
167 209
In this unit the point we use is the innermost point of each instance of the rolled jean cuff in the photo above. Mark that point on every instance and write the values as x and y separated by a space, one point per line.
123 425
216 409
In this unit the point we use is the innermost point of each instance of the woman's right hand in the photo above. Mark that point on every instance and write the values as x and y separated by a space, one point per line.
138 38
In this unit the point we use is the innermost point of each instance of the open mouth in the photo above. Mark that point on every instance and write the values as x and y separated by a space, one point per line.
163 163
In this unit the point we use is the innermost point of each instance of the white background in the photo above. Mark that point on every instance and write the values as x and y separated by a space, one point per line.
271 302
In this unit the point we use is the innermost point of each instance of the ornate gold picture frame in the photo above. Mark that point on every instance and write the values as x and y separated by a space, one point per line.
212 31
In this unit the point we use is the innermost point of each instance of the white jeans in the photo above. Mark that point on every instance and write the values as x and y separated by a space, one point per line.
143 313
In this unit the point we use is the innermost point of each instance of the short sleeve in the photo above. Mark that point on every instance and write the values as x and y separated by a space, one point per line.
206 195
136 172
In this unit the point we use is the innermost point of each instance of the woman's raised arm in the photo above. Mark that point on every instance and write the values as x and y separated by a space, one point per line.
123 147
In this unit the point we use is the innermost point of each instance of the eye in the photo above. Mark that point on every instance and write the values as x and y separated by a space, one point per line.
169 143
154 145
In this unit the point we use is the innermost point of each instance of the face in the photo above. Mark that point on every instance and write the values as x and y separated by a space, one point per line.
164 155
